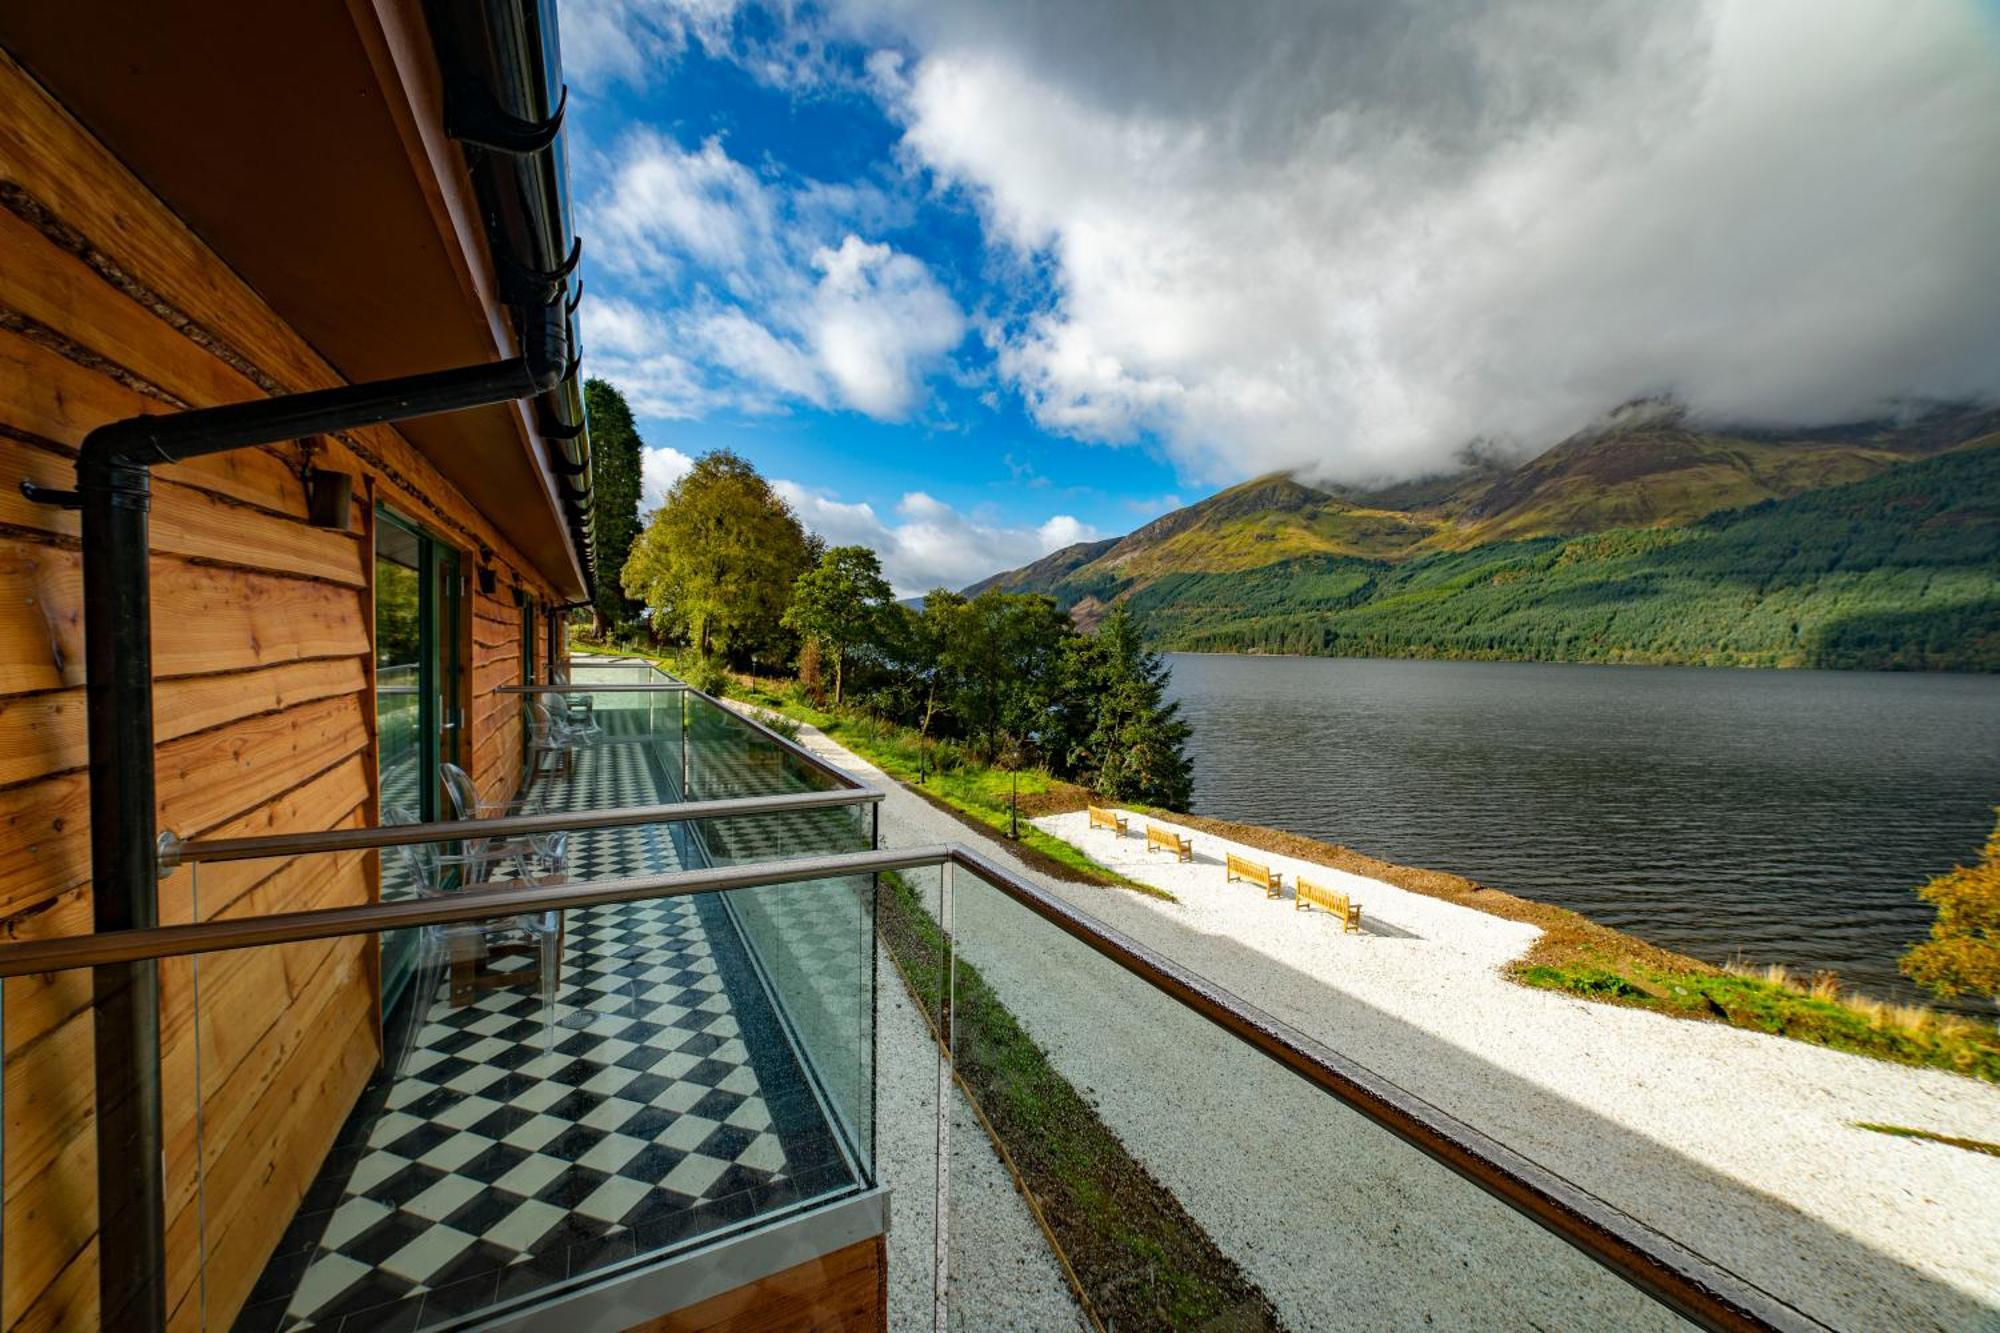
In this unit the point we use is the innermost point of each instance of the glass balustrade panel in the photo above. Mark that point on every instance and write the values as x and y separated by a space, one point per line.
1163 1174
549 1095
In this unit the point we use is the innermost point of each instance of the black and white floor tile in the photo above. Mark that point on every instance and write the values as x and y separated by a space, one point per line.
509 1154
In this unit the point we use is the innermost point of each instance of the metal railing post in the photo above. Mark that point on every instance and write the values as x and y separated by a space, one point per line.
947 992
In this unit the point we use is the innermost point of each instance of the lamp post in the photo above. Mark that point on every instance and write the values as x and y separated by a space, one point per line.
1014 806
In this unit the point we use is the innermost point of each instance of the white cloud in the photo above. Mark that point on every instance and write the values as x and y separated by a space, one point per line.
631 346
1063 530
627 41
660 468
927 543
757 296
878 319
1350 238
665 205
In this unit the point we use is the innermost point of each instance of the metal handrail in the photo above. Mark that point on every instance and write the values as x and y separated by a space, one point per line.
663 687
1692 1286
174 853
483 903
1670 1273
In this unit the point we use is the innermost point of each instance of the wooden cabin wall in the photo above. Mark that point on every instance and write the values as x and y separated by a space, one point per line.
495 719
262 635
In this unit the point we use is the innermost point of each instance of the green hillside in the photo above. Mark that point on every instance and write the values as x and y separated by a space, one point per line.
1899 571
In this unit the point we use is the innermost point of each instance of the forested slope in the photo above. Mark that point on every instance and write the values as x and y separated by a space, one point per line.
1901 570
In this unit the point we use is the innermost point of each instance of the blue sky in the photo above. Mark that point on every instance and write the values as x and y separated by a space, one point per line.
973 281
930 436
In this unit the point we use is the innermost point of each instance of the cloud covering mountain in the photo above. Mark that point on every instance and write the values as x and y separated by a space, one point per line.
1350 237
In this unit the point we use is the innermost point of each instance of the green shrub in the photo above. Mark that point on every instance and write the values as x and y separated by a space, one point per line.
706 674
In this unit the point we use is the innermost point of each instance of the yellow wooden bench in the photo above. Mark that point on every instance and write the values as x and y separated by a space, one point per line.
1236 867
1165 840
1310 894
1107 819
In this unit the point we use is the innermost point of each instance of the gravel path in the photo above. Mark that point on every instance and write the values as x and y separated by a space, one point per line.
1737 1144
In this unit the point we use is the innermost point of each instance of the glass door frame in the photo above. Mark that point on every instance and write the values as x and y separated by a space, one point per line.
440 656
440 687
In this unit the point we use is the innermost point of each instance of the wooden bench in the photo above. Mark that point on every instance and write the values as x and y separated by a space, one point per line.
1236 867
1310 894
1107 819
1164 840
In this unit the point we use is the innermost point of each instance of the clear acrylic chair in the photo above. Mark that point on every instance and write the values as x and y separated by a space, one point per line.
578 710
551 753
580 722
533 856
457 951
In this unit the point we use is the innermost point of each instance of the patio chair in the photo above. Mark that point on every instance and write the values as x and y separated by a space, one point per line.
552 745
581 722
463 951
579 710
548 850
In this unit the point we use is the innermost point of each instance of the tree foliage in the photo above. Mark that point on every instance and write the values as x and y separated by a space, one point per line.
1133 741
1962 956
839 604
617 466
717 562
1008 675
724 567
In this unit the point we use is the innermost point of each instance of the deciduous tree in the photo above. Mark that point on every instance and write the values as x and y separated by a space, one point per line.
1962 956
839 604
717 563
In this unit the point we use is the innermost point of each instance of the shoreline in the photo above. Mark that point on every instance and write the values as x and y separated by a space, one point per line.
1619 663
1573 955
1576 955
1747 1147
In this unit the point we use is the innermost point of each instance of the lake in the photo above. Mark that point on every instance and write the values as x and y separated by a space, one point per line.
1776 816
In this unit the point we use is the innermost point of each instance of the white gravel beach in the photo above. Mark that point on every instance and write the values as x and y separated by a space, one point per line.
1740 1146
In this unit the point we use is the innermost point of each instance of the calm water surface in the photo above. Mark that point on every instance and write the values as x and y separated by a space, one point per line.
1779 816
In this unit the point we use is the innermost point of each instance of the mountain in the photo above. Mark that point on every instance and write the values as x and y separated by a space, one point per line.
1643 539
1047 572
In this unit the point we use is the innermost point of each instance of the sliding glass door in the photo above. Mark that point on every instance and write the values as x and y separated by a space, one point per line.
419 714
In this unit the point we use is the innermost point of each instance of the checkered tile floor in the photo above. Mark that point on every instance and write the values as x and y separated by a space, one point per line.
491 1166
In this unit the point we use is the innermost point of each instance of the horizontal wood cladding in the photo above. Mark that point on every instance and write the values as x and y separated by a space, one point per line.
843 1292
262 641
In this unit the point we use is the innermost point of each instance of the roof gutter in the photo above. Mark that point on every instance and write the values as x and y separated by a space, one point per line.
504 104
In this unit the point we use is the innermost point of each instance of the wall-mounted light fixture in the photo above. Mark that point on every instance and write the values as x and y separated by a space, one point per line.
329 494
329 499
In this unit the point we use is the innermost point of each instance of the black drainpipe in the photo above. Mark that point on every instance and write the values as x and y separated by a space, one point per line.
114 483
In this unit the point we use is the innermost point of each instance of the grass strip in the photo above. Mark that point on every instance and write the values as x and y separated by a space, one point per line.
1142 1260
1949 1140
977 795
